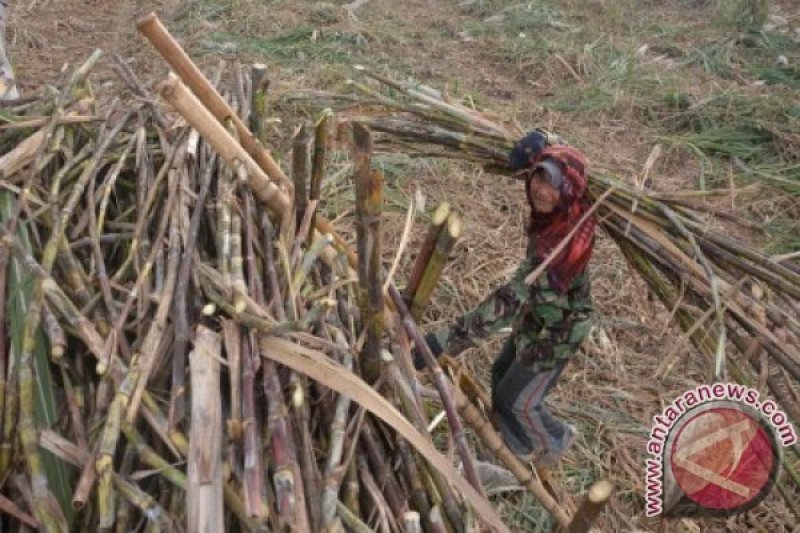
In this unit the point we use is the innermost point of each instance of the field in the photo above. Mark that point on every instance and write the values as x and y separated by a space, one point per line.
674 95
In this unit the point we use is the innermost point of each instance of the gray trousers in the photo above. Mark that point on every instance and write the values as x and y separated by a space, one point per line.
518 394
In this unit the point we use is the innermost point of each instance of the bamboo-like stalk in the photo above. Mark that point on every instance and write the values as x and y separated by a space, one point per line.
204 508
232 339
368 184
381 466
70 453
45 508
259 85
378 511
286 481
254 486
591 507
318 163
301 171
152 28
55 333
445 242
239 285
182 330
438 220
351 519
187 104
334 470
440 490
442 387
411 522
494 442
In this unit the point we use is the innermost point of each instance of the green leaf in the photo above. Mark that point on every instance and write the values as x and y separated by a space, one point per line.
20 284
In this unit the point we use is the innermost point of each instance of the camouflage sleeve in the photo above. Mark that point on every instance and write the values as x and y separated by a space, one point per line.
553 325
494 313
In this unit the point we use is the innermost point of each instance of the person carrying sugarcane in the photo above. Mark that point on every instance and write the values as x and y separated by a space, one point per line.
549 316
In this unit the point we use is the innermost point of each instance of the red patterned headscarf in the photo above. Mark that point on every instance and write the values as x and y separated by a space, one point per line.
546 231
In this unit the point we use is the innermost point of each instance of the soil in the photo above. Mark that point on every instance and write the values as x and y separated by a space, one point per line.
610 391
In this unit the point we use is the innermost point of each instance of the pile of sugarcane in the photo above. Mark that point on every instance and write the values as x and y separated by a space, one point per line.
739 306
192 346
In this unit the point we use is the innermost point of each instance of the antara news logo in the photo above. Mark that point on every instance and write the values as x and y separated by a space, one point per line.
714 451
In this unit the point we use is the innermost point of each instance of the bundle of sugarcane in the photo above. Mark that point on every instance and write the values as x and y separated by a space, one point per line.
738 305
137 239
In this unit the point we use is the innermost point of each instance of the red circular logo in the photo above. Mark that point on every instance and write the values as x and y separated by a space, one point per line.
724 459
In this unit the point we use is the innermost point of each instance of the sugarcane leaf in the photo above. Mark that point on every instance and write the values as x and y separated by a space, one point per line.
20 284
331 374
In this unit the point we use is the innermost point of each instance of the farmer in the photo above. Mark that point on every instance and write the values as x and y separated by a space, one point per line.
549 316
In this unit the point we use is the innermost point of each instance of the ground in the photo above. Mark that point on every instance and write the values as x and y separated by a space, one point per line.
707 81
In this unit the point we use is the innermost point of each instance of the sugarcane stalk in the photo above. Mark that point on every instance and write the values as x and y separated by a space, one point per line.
494 442
85 484
224 226
157 328
232 338
318 163
125 508
141 280
591 506
300 170
149 457
334 470
74 455
179 96
440 489
237 265
371 489
351 519
10 508
204 472
419 495
436 520
368 184
380 465
55 333
45 508
442 387
411 522
286 482
445 242
106 450
438 221
259 85
254 490
182 331
73 400
152 28
310 497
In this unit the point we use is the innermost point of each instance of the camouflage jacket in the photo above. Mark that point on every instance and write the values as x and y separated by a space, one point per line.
546 325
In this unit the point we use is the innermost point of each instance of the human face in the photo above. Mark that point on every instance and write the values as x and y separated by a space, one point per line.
543 196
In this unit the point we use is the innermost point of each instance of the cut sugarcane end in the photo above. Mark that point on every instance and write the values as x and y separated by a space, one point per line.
601 491
455 225
298 397
441 214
